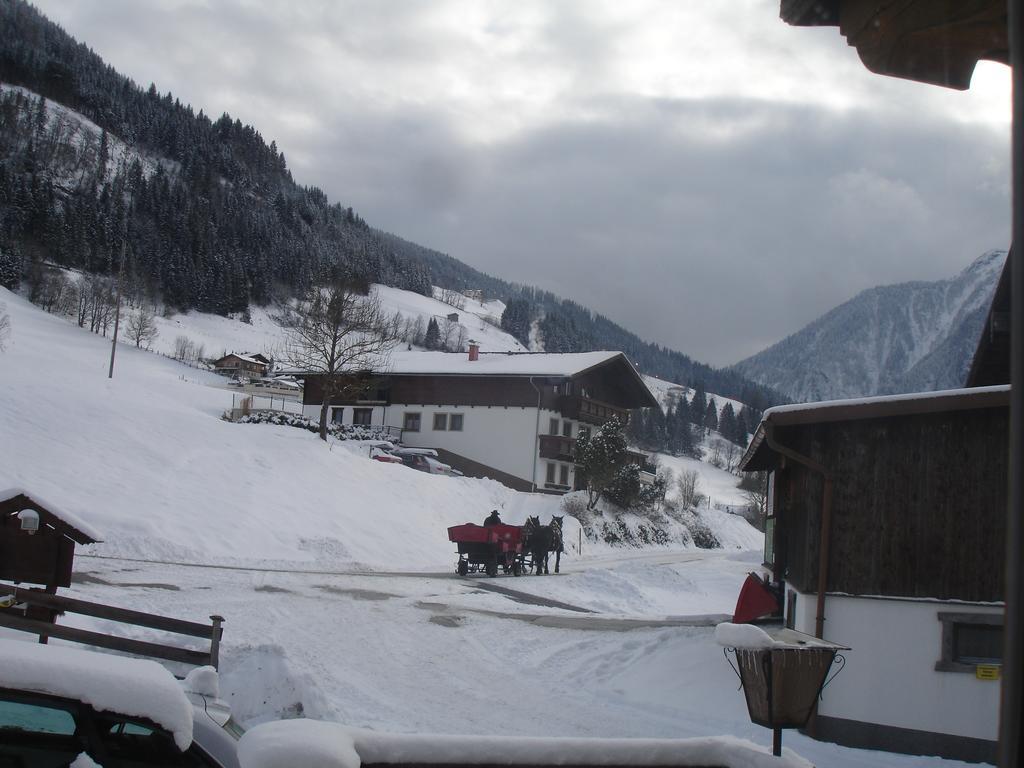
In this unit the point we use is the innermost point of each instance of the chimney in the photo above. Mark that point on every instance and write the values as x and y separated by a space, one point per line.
474 351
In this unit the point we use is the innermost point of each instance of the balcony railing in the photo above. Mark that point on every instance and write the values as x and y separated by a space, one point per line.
590 411
557 447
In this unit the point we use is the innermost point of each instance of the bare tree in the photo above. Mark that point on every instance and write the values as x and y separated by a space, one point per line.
452 335
687 484
142 327
453 298
184 349
755 491
342 336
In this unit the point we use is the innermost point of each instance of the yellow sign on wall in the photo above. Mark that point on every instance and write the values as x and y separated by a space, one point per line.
987 671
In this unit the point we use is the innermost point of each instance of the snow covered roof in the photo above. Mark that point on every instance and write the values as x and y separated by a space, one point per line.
914 403
317 744
80 531
499 363
134 687
245 358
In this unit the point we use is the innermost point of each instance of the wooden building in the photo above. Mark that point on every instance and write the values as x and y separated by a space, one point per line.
893 511
37 541
941 44
249 365
513 417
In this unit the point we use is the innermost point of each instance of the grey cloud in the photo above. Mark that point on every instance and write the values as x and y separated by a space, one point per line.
713 226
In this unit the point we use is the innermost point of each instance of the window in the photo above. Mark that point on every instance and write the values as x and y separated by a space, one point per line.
969 640
455 422
563 474
566 429
553 427
337 415
25 717
411 422
362 416
440 422
551 473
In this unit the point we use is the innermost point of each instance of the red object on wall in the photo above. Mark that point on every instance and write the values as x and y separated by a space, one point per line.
756 599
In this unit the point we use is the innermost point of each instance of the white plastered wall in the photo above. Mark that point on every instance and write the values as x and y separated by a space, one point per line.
890 677
500 437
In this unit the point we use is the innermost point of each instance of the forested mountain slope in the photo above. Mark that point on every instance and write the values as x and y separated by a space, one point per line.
101 175
896 338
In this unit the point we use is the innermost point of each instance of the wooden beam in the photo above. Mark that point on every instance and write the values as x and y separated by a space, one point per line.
99 640
101 611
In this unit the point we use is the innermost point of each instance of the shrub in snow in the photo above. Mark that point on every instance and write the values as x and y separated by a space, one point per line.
702 534
337 431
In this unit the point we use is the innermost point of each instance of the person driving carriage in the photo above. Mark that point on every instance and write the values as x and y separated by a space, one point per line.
493 519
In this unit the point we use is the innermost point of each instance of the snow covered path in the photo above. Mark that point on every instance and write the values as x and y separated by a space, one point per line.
419 653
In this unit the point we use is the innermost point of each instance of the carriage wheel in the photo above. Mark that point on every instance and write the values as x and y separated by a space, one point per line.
462 568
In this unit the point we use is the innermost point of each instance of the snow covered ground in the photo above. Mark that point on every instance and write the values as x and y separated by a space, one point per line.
335 575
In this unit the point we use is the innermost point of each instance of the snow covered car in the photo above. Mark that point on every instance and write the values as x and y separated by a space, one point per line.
429 464
64 706
425 460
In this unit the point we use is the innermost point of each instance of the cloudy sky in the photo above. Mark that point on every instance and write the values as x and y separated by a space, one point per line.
698 171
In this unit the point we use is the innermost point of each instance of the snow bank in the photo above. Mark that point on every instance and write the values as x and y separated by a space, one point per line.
137 687
147 460
329 745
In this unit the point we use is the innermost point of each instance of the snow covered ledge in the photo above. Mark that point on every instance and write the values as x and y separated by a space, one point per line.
317 744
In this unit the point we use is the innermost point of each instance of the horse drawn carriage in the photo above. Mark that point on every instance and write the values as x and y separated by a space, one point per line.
512 548
488 548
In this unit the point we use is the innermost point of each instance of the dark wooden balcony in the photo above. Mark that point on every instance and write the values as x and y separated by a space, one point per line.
558 448
590 411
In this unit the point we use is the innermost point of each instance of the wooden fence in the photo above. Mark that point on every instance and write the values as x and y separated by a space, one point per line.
35 611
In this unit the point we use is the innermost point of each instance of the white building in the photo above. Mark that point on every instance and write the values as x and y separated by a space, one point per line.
513 417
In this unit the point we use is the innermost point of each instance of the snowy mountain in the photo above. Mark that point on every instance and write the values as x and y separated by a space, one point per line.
907 337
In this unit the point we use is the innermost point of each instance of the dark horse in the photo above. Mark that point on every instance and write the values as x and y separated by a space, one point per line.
541 540
557 546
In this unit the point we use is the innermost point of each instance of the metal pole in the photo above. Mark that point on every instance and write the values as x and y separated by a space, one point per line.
1011 712
117 309
215 632
777 742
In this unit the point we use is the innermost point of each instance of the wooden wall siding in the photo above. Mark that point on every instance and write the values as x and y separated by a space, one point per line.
463 390
611 384
918 508
313 391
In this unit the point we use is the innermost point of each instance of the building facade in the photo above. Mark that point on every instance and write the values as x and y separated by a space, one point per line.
512 417
885 533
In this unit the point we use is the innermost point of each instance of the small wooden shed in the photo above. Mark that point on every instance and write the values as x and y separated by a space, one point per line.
37 541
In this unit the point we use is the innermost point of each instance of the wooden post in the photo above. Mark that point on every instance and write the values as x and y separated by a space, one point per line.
215 634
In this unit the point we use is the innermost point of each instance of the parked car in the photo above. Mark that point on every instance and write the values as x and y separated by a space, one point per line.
57 703
429 464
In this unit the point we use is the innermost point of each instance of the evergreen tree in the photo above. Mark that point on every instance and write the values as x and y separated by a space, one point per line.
600 458
432 338
517 319
711 416
727 423
698 405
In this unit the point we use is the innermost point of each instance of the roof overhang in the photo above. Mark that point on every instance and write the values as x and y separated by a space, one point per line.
760 456
931 41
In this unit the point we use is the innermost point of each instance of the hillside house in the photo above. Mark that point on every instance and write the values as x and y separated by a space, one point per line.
513 417
249 365
894 510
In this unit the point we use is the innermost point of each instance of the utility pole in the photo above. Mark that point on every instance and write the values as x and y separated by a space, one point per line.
120 269
117 300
